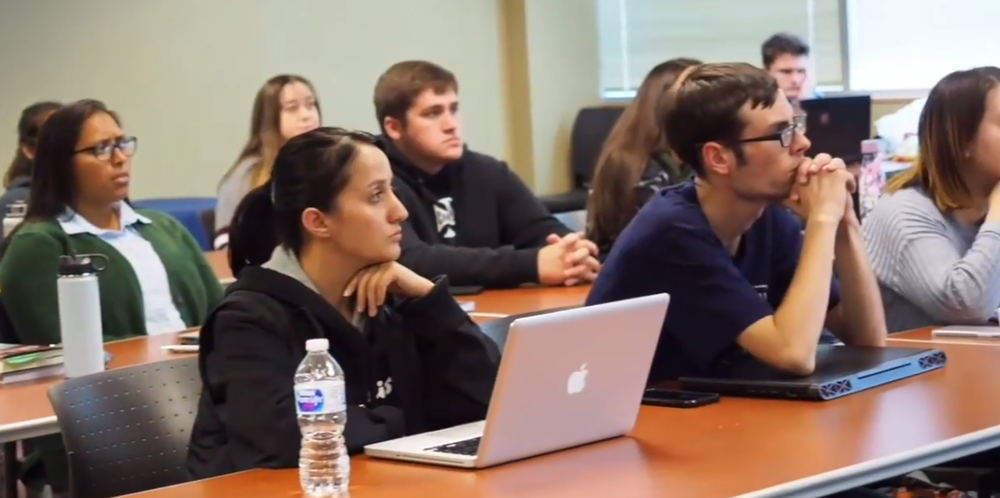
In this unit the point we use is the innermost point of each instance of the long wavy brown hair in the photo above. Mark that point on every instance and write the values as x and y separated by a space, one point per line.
635 138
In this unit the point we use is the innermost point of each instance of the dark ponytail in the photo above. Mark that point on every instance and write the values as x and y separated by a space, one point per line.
28 128
311 171
252 236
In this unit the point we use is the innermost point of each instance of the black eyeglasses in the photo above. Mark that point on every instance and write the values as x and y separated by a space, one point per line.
105 150
785 135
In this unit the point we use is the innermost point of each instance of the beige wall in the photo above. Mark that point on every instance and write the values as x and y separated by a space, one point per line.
183 73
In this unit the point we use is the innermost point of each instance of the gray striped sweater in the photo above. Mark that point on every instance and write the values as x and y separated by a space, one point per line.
931 269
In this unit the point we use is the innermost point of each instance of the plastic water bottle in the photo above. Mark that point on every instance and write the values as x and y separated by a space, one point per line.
79 297
14 216
320 401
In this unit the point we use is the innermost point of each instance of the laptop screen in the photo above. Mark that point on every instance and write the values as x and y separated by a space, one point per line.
837 125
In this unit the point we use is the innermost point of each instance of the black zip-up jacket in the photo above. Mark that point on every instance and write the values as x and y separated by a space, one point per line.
487 234
420 365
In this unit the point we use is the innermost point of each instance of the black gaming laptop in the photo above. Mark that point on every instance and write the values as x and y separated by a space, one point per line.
837 125
840 371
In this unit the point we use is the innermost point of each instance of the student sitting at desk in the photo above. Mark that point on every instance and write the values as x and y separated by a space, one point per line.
156 279
285 106
315 249
635 161
17 180
471 217
934 238
741 275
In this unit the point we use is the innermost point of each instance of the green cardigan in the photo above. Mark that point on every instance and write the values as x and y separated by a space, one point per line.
29 269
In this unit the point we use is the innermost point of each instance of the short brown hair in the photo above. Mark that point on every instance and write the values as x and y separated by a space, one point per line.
401 84
704 106
781 44
948 124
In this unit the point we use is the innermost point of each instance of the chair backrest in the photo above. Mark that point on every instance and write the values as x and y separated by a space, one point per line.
127 430
591 127
499 328
208 222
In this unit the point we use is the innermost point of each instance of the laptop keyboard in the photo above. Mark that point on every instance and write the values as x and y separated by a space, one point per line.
467 447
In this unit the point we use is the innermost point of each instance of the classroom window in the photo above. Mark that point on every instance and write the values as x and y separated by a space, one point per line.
635 35
911 44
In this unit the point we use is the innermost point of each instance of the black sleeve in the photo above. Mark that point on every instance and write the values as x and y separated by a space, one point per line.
253 367
488 267
459 361
524 220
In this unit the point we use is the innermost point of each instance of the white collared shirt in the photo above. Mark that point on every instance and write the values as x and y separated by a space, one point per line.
162 315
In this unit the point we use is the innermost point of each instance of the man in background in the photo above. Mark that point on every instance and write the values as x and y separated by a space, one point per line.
470 217
786 57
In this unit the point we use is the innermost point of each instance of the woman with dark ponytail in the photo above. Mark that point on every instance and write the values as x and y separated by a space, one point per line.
314 250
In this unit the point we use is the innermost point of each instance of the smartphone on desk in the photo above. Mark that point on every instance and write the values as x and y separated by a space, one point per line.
655 396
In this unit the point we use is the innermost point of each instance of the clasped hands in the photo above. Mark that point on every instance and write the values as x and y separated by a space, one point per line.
822 190
568 260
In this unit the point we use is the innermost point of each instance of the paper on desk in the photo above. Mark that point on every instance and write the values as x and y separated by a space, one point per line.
972 330
468 306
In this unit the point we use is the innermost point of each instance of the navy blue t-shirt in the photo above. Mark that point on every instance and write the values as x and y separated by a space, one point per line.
714 296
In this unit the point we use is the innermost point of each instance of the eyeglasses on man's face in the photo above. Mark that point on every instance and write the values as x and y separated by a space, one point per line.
786 135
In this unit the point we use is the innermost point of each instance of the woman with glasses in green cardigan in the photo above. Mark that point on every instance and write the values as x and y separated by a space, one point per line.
156 280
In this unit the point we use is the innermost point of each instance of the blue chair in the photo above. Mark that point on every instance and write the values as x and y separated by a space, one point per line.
188 211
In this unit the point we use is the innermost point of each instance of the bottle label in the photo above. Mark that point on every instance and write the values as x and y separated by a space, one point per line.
320 397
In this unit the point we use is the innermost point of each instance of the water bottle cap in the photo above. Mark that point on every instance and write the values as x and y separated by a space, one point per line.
870 146
76 266
316 345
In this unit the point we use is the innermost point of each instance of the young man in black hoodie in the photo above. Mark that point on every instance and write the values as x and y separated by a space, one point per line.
471 217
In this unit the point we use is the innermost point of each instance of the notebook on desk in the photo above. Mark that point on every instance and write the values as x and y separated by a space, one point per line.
189 337
566 379
840 371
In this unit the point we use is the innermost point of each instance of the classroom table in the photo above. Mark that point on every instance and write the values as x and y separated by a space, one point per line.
24 407
738 447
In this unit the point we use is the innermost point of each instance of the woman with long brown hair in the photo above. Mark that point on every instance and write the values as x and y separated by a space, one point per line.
635 161
285 107
934 238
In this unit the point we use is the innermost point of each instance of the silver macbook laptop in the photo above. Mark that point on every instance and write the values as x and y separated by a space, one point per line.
566 379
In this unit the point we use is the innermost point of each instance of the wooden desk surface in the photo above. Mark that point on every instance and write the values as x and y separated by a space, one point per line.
506 302
219 260
735 447
28 401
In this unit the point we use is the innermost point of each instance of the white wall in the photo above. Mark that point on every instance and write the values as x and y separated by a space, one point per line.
183 73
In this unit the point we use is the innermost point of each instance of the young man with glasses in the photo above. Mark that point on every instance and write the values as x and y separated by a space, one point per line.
743 276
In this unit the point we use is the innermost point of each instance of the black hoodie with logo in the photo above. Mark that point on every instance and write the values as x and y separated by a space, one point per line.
474 221
419 365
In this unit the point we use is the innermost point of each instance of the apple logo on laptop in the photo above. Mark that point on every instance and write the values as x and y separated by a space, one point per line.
577 380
